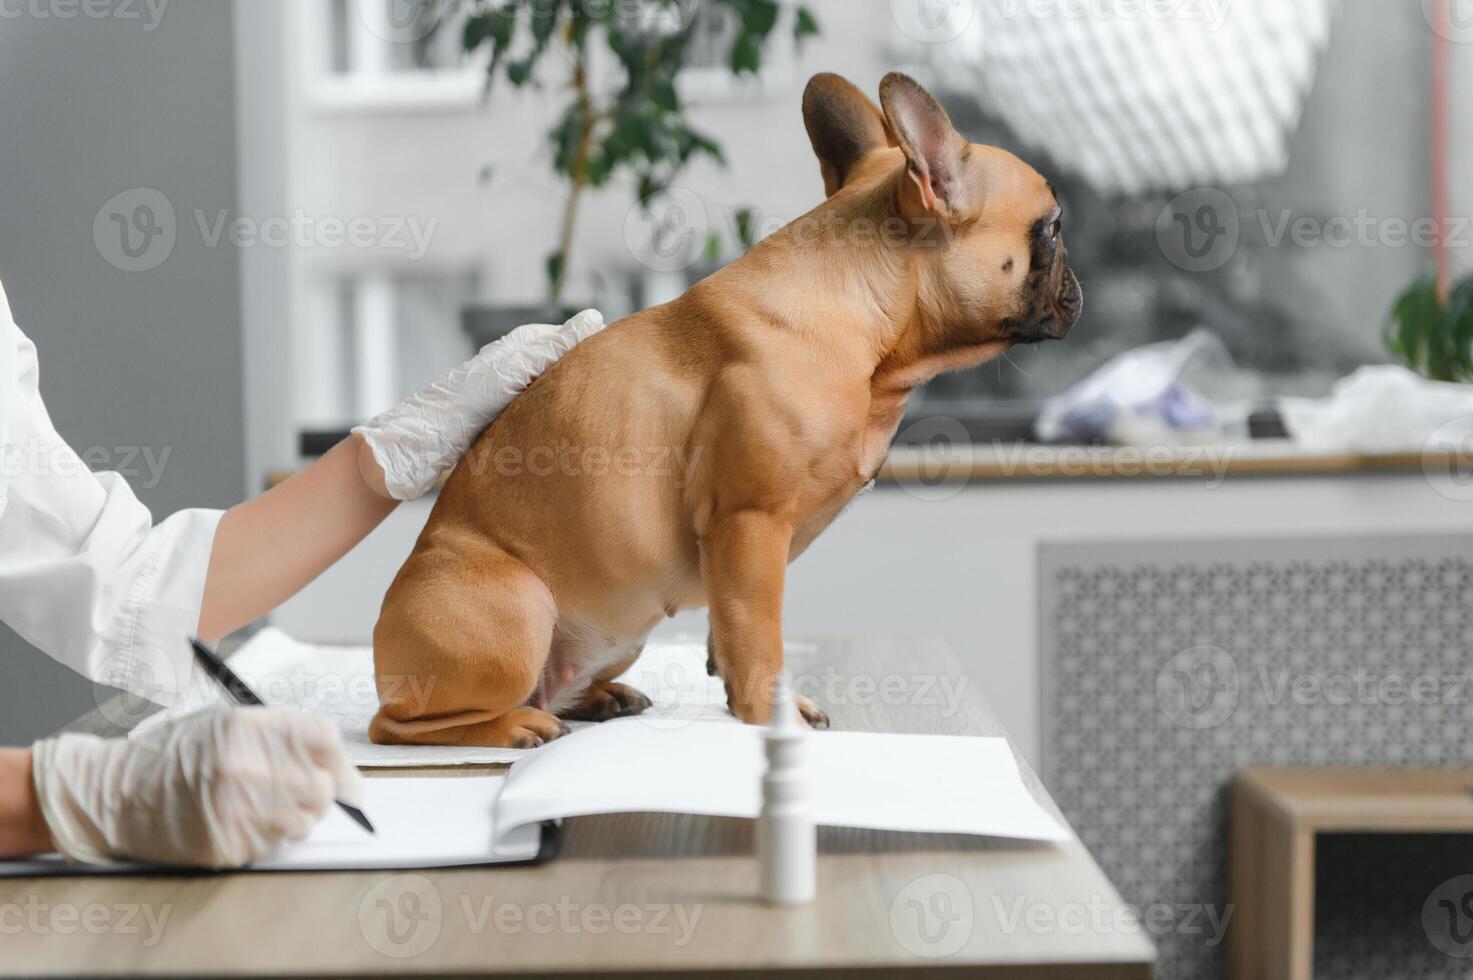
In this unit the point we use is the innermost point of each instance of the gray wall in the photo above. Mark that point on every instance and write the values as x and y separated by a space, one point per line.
1363 146
90 107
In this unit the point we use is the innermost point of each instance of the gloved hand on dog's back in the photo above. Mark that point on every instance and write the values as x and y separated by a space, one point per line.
427 434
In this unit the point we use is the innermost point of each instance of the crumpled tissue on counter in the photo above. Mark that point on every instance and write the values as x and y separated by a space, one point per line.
1179 392
1383 409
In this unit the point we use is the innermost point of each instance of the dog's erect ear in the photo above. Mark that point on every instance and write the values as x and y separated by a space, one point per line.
935 151
843 124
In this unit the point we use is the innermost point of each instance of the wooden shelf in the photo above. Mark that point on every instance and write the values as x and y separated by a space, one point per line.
1365 800
1276 814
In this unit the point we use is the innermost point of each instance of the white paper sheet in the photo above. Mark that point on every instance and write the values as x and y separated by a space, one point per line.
917 783
420 823
338 682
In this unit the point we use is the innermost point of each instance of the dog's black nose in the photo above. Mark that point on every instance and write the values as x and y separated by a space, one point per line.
1068 307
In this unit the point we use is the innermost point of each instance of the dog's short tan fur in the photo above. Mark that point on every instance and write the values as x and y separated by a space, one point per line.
685 455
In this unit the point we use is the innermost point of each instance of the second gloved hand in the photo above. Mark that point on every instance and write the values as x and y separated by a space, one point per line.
427 434
215 789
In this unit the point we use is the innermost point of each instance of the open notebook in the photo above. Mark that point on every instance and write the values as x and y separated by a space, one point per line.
338 683
916 783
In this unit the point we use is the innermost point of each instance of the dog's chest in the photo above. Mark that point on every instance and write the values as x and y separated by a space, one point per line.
879 431
847 471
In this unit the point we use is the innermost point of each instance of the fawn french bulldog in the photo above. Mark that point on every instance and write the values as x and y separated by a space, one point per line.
691 451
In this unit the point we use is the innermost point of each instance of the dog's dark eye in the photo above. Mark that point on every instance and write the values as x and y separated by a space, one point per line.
1055 229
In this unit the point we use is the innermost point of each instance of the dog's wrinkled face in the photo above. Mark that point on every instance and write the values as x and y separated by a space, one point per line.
986 227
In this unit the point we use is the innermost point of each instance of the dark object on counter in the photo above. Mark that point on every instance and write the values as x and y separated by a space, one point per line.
314 443
485 323
1267 424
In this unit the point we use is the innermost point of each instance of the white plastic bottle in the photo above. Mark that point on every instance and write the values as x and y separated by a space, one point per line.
787 841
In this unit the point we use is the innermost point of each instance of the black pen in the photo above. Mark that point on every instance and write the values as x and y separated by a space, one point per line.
237 691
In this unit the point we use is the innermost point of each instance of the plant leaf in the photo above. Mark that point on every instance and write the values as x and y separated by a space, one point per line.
544 22
636 125
663 94
759 16
1460 313
1410 323
496 26
746 54
519 72
805 25
746 227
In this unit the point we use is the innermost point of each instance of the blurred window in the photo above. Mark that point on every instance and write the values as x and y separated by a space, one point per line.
392 36
372 337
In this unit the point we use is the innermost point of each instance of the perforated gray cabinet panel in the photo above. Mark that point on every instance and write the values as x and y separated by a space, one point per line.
1168 665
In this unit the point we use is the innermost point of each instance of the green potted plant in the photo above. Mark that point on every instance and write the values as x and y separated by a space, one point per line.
1431 336
636 127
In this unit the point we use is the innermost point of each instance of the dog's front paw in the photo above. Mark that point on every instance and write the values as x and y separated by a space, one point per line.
607 699
811 712
753 714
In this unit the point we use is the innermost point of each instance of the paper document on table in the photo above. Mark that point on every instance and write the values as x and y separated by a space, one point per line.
943 784
686 754
420 823
338 682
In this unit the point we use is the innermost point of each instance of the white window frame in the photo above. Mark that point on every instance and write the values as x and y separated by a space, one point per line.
369 85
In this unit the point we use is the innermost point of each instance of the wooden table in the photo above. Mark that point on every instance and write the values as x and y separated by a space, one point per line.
1276 814
637 893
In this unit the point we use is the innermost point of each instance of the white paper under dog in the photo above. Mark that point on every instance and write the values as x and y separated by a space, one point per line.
338 682
914 783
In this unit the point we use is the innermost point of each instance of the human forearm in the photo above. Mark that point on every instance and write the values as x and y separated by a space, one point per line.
269 548
22 826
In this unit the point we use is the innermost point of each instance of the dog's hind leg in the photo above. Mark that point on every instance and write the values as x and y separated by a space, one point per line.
458 650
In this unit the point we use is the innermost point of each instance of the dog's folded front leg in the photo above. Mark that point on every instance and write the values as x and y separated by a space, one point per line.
744 558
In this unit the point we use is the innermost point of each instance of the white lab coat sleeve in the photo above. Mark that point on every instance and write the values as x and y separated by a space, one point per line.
85 576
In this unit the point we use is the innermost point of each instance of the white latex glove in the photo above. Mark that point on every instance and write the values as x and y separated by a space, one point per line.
428 433
219 788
